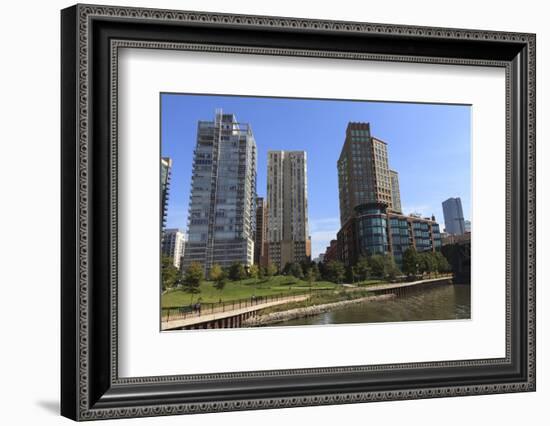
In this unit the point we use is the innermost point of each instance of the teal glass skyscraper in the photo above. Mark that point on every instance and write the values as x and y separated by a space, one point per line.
454 217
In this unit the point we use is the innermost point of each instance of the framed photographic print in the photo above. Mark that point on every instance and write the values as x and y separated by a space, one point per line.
263 212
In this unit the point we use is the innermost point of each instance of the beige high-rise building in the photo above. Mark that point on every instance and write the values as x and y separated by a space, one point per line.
363 171
395 193
287 231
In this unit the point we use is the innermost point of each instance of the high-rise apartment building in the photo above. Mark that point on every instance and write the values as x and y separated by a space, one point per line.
395 193
173 245
287 230
260 236
165 173
363 171
370 203
221 218
454 217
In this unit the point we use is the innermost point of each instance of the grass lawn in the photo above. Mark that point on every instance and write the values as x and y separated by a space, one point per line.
235 290
320 298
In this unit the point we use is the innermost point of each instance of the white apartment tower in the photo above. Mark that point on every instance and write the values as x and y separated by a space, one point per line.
223 193
173 245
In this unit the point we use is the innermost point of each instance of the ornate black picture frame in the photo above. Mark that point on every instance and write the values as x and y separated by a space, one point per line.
91 387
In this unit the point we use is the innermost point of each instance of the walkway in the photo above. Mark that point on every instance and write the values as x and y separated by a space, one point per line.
384 288
220 313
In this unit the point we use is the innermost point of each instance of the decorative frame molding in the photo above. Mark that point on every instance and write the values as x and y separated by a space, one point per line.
91 37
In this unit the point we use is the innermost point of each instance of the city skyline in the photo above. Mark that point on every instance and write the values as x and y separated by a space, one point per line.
290 124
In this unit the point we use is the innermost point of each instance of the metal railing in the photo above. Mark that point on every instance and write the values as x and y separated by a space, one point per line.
200 308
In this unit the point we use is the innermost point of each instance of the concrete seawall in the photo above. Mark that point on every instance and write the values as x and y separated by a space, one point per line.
275 317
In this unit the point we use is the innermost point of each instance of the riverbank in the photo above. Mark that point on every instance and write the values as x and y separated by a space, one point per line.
432 303
275 317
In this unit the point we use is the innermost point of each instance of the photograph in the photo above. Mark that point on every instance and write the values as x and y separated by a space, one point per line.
300 192
307 212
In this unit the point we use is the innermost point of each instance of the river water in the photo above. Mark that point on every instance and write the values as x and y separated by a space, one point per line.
441 302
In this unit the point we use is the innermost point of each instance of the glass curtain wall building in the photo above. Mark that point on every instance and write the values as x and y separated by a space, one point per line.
412 231
221 222
376 230
454 217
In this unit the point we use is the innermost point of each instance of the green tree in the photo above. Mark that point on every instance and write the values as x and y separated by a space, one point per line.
362 269
442 262
169 273
335 271
391 271
193 278
377 265
271 270
433 262
261 272
311 277
306 265
351 274
315 271
323 270
287 268
427 263
410 261
216 272
237 272
296 271
218 276
254 271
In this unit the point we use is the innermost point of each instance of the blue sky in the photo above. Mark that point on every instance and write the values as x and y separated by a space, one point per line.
428 145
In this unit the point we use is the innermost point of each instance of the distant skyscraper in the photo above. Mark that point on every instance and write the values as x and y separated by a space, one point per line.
363 172
467 226
288 230
454 218
173 245
165 173
223 190
260 242
395 193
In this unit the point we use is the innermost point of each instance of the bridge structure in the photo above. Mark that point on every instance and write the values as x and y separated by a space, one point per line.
459 256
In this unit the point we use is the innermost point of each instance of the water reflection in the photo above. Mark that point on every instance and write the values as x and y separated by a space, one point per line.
437 303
